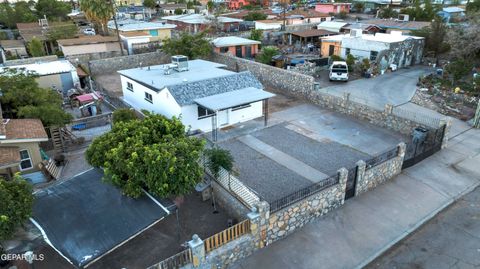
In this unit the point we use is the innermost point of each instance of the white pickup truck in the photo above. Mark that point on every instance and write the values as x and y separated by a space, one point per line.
338 71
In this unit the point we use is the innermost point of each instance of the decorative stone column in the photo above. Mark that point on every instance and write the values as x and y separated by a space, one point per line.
263 212
448 124
342 180
388 109
360 185
198 250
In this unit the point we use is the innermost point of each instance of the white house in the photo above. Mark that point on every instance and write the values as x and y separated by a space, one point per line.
203 93
268 25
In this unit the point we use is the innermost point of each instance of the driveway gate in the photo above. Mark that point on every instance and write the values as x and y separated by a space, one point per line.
351 182
419 149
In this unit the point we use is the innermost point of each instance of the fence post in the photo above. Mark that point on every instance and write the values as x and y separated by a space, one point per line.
198 250
388 109
448 124
342 180
402 147
359 184
259 221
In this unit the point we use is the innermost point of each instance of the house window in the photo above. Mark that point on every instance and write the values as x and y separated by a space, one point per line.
26 161
347 51
224 49
148 97
241 107
323 19
373 55
129 86
204 112
153 32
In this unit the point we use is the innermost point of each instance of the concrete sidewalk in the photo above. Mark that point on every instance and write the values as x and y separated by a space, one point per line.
356 233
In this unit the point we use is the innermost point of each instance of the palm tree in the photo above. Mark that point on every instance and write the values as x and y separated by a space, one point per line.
98 11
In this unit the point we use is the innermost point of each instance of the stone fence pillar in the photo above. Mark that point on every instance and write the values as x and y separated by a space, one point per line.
198 250
359 184
342 180
388 109
448 124
402 147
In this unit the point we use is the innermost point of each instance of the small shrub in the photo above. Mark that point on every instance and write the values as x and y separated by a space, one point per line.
123 114
217 158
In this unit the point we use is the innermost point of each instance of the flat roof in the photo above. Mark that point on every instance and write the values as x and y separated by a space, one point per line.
234 98
199 19
378 37
154 76
45 68
313 32
85 40
233 41
392 23
12 44
134 25
84 218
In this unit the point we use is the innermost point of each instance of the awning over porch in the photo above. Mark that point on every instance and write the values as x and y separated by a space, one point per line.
233 98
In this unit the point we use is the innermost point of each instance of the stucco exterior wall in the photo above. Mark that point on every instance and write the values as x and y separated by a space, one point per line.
33 151
325 49
233 51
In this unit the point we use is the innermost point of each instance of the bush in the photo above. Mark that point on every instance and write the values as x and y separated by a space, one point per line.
266 54
217 158
123 114
336 58
350 62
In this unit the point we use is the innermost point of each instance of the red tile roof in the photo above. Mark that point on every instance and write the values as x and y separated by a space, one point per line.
24 129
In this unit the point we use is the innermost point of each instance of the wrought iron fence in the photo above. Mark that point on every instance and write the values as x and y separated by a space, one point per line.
418 150
379 159
176 261
227 235
302 193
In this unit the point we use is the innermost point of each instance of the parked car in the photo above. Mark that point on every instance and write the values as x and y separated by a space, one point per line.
89 31
338 71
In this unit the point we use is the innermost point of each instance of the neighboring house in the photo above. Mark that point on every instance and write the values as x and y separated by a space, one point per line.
366 28
383 49
372 5
194 23
237 46
298 16
452 14
307 36
169 9
88 45
402 24
333 7
237 4
134 12
13 48
202 93
332 26
129 2
140 32
60 75
19 145
268 25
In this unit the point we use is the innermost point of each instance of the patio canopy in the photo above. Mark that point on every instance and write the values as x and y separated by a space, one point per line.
84 218
233 98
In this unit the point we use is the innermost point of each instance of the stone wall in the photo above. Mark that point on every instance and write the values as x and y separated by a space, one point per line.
270 76
369 178
234 207
112 65
287 220
83 59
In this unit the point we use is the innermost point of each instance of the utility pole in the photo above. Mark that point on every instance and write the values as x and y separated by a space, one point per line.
112 2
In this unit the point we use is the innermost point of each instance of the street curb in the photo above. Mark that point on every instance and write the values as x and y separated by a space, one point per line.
416 226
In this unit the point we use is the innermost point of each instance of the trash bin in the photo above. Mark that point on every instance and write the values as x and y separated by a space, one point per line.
419 134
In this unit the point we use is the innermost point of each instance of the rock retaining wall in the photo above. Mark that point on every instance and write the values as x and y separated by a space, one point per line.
234 207
110 65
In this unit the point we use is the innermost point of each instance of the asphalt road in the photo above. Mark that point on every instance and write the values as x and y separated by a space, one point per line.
450 240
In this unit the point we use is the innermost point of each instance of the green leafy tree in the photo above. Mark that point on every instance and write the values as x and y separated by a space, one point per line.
193 46
53 9
386 13
16 202
62 32
254 16
153 154
98 11
178 11
23 98
350 62
218 158
473 7
123 114
7 15
150 4
35 48
210 6
459 68
342 15
23 12
256 34
358 6
266 54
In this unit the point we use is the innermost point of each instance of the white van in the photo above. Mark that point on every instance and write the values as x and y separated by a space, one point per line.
339 71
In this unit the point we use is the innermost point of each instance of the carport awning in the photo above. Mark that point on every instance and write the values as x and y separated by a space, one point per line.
233 98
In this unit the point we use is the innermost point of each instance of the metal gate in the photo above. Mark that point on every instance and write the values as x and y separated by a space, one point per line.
351 182
417 151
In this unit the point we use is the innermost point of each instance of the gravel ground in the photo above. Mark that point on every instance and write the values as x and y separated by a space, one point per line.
268 178
327 157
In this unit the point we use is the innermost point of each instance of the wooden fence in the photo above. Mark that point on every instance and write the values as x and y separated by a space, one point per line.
176 261
227 235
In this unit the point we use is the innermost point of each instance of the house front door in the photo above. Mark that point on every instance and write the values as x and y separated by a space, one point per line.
331 50
222 118
238 51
